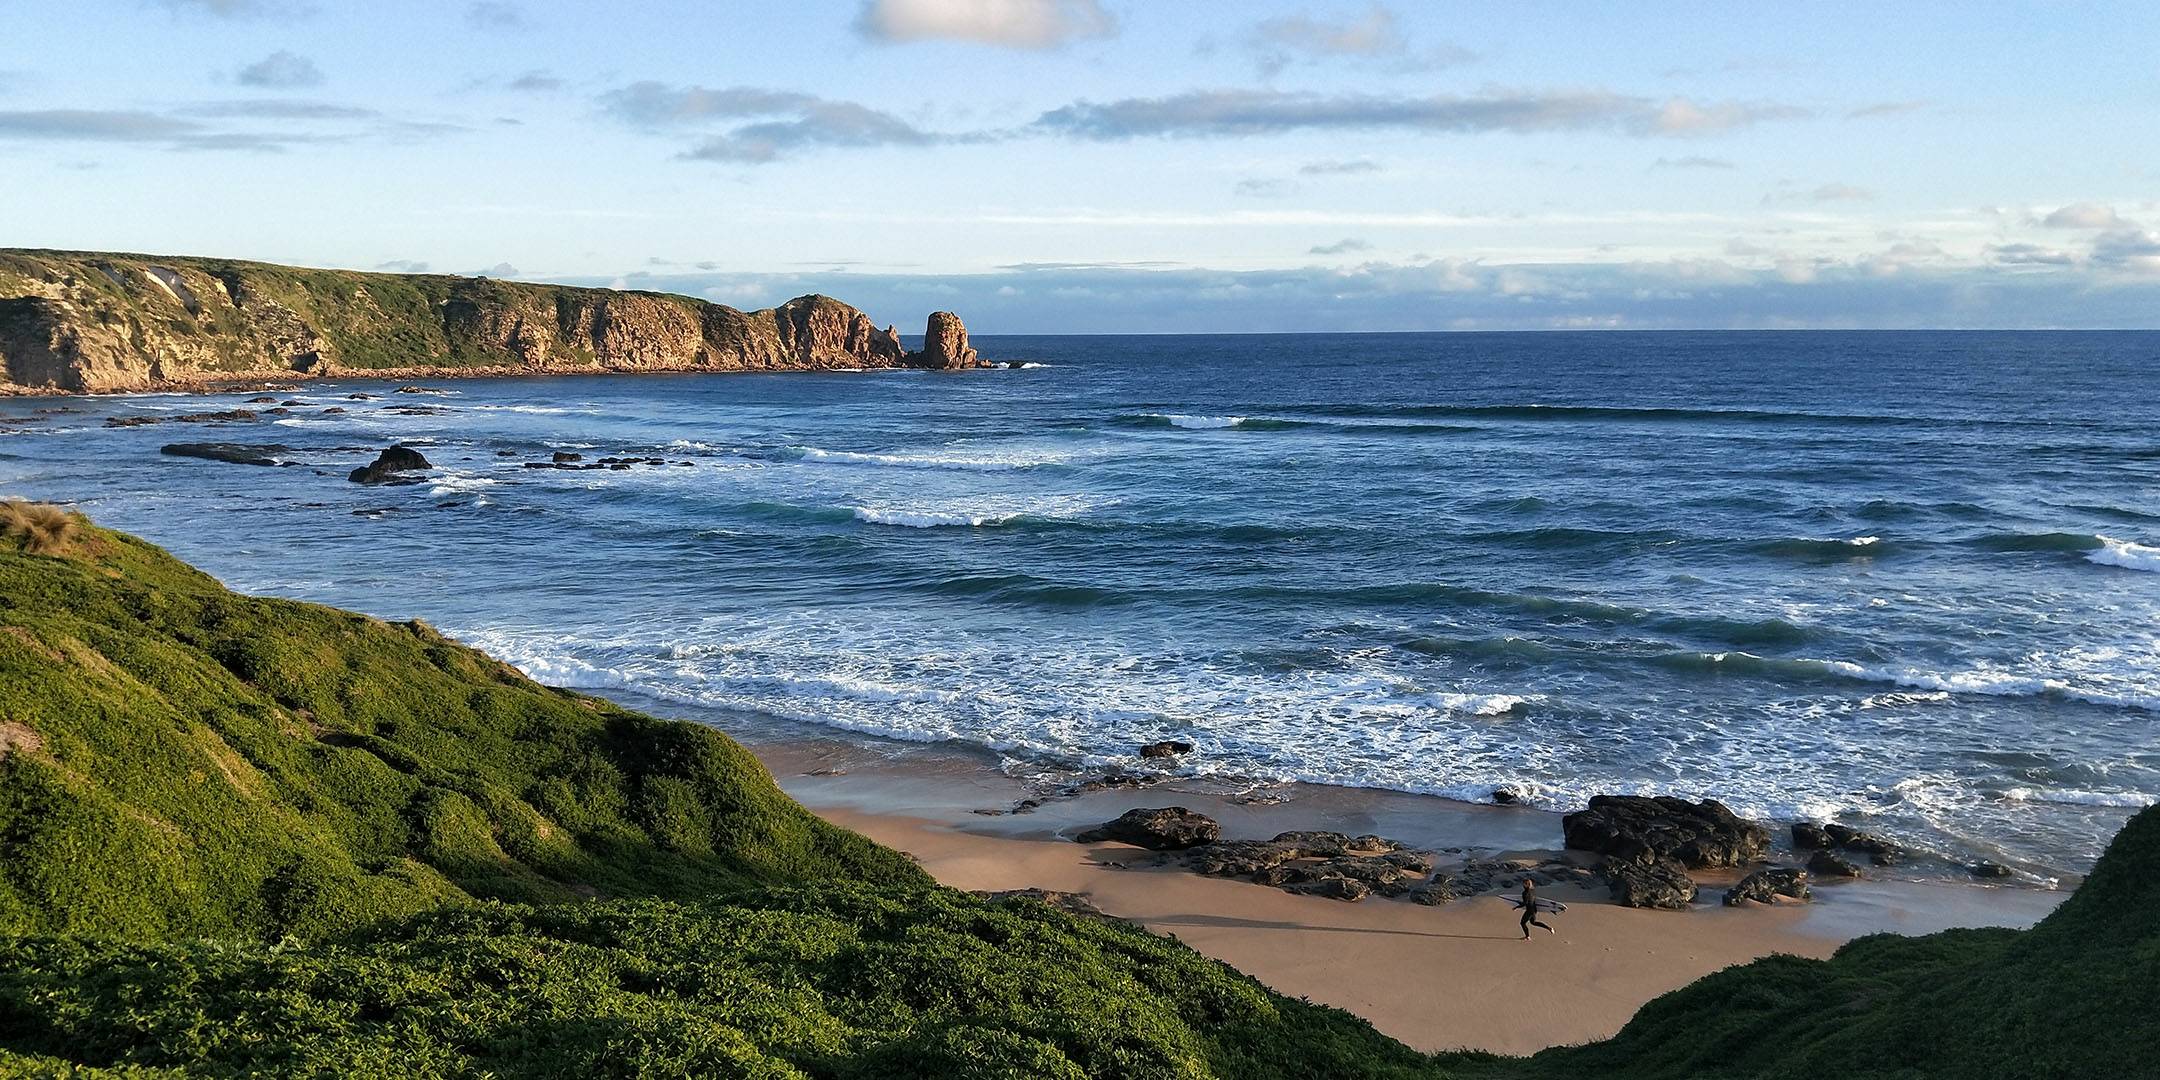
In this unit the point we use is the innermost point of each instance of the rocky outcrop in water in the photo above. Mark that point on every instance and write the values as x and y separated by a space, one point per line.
389 463
945 344
235 453
86 322
1808 835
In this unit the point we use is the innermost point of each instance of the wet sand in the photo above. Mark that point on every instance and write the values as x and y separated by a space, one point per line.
1456 976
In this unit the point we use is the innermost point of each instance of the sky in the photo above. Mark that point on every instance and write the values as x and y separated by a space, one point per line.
1106 166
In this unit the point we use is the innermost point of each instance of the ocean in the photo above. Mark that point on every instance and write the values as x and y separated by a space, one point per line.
1908 581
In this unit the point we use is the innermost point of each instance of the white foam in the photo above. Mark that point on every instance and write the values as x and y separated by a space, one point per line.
1864 541
2123 553
1199 423
566 671
535 410
2074 797
459 483
999 463
1482 704
928 519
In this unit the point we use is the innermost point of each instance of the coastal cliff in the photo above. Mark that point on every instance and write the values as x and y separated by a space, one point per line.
90 322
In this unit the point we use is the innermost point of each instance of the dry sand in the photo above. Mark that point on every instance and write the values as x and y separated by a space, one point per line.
1436 978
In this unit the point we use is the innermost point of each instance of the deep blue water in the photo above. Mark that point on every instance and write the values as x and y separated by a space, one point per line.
1911 580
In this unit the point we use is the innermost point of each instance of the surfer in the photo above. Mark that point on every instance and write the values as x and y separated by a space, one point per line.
1530 909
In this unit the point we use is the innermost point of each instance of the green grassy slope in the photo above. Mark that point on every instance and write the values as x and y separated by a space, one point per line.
210 763
242 836
826 981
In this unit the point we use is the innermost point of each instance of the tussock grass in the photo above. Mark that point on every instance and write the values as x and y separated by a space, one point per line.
38 528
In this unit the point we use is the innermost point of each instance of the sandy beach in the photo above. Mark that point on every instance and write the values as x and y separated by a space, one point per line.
1455 976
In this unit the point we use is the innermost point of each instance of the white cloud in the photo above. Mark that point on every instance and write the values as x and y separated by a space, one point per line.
1343 246
1012 24
2084 215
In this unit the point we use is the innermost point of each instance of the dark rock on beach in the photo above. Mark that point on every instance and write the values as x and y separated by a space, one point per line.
388 464
1649 880
1169 828
1333 888
1166 748
561 457
1764 886
236 453
1699 834
1988 869
1878 850
1807 835
1830 864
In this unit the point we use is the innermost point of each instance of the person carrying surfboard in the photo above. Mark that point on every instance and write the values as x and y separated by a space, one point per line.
1530 909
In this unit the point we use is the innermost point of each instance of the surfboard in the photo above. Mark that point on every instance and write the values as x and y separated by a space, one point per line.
1543 904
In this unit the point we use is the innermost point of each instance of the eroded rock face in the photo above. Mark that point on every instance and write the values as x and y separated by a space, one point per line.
1702 834
945 344
87 323
1168 828
388 464
1764 886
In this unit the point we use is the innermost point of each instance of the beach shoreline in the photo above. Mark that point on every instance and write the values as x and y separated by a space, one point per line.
1456 976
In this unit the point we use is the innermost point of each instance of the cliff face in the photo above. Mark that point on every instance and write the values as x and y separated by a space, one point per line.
90 322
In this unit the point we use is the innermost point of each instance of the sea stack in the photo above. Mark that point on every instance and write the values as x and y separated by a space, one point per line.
945 344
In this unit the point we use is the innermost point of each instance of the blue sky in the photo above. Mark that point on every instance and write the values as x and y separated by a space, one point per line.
1067 165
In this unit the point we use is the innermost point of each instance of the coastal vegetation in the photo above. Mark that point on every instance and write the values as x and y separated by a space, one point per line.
246 836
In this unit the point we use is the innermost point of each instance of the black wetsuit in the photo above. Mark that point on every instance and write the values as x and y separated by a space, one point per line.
1529 908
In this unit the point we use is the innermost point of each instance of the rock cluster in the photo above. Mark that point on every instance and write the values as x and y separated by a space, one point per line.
577 463
1810 836
1699 834
228 416
1330 864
